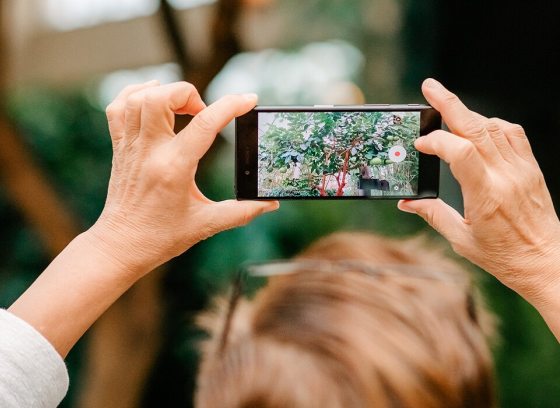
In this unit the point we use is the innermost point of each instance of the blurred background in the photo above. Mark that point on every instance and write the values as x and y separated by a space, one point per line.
62 61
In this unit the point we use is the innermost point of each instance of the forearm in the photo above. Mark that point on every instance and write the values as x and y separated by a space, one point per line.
548 305
551 316
74 290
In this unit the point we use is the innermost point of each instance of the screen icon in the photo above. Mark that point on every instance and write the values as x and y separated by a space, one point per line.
397 154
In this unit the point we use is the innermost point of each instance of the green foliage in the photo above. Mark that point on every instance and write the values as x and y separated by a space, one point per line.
70 139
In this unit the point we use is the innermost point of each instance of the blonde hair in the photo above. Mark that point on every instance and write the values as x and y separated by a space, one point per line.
320 339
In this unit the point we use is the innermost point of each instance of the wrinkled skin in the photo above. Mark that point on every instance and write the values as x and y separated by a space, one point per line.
509 227
154 209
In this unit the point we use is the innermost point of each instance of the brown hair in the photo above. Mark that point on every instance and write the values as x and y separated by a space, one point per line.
320 339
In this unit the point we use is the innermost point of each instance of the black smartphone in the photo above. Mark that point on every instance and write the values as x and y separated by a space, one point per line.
335 152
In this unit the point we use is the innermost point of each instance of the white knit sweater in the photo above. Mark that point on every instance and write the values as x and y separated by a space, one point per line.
32 373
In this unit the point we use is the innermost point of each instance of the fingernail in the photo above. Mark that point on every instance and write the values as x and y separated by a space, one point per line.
431 83
152 82
251 97
403 206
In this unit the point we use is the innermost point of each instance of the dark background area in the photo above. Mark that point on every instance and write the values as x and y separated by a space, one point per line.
504 55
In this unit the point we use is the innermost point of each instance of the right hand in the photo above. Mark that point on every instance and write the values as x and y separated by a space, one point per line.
510 227
154 209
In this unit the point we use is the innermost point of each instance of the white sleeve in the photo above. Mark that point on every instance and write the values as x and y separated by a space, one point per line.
32 373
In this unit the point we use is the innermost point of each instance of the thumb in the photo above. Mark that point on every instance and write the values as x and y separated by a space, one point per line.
441 217
233 213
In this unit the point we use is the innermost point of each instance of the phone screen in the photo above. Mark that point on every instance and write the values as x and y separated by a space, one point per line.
337 154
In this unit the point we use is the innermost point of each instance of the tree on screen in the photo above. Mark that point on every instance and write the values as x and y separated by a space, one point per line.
308 151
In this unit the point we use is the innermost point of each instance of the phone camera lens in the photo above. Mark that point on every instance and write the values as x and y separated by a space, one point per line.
247 172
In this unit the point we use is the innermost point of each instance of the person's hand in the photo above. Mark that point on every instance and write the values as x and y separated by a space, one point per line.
509 227
154 209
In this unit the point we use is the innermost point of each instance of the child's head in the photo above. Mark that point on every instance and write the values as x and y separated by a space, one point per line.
361 330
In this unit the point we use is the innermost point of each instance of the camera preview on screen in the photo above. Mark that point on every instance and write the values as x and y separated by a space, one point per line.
321 154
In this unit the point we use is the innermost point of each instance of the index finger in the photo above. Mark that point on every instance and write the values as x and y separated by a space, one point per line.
153 110
199 135
178 97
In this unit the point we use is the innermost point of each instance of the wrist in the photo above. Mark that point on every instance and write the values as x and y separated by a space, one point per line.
75 289
115 248
544 295
540 277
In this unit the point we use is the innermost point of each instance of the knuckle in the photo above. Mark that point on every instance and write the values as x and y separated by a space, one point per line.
493 125
187 86
113 110
135 101
130 88
153 99
474 128
531 177
517 130
152 96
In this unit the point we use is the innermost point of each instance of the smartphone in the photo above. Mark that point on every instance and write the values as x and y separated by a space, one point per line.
335 152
